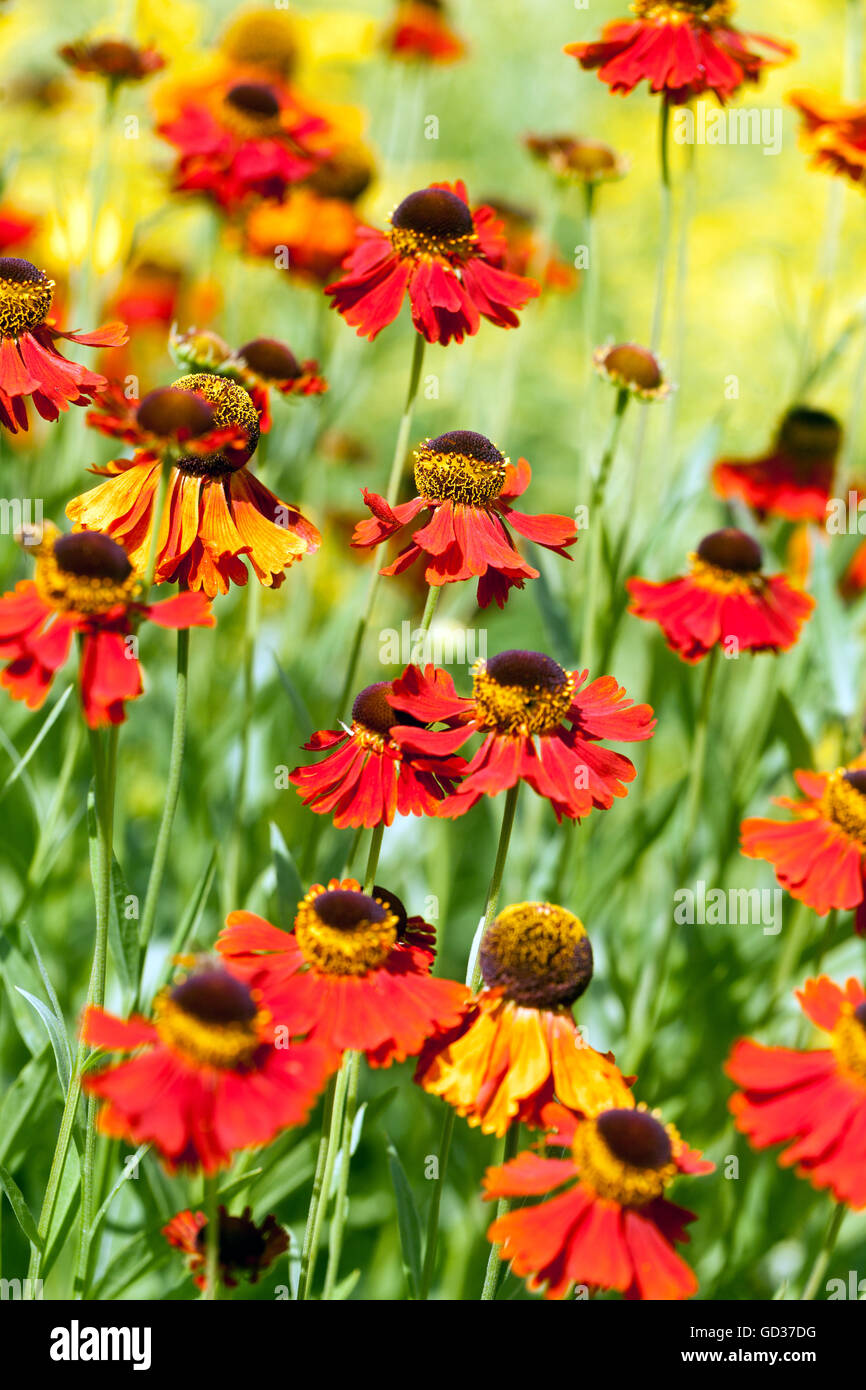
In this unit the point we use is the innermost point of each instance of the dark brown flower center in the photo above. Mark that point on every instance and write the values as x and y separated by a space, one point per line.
211 995
808 434
636 366
170 413
90 555
635 1137
241 1242
232 406
856 779
257 100
270 358
395 905
346 909
529 670
460 466
730 549
25 296
372 708
434 212
860 1014
539 953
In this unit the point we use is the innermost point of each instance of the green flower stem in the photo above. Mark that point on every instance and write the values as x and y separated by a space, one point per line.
234 848
352 1065
473 979
329 1144
172 794
666 222
340 1105
494 1261
212 1240
819 1268
596 529
432 1240
434 593
650 992
391 497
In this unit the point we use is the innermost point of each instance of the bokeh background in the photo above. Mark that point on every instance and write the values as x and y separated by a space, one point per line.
740 292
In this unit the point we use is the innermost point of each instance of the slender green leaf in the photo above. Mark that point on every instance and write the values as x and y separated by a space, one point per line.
57 1034
19 1206
289 887
44 729
408 1221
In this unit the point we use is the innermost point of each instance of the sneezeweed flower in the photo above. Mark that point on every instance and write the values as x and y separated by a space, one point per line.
724 601
343 977
85 586
634 369
262 38
420 30
260 366
682 48
246 1247
117 60
367 778
242 139
30 364
165 419
539 724
795 479
208 1077
446 257
820 855
834 133
575 159
517 1047
465 490
605 1220
815 1101
307 236
216 513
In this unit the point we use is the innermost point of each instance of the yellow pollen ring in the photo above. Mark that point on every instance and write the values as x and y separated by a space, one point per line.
369 738
845 806
849 1043
684 11
516 709
722 581
613 1178
407 242
536 938
78 593
23 305
225 1046
458 478
354 950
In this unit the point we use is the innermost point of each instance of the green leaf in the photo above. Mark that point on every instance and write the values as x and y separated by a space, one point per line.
408 1221
369 1111
23 1103
56 1031
19 1206
15 968
786 724
45 728
64 1211
302 714
345 1286
188 924
145 1253
289 887
130 1170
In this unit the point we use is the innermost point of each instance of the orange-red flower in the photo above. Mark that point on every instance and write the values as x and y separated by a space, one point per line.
815 1102
724 599
311 235
15 226
209 1076
681 48
84 586
344 977
517 1047
216 511
117 60
420 30
465 490
610 1226
818 856
367 778
794 480
447 258
241 137
834 132
30 364
245 1246
539 724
